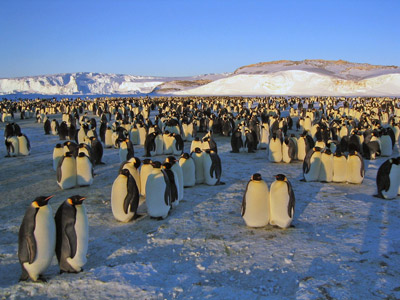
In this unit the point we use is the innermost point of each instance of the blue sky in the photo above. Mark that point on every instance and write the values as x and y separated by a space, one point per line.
178 38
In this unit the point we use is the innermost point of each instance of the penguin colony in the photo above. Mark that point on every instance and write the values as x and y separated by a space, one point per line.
331 136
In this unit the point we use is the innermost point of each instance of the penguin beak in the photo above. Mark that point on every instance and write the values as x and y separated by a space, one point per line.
35 204
83 198
48 198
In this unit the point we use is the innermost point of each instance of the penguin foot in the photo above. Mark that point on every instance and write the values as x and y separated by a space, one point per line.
41 279
100 163
292 226
379 196
137 216
157 218
220 183
303 180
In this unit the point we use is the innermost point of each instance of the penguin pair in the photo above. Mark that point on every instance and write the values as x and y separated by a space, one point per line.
208 167
17 145
40 235
73 171
261 206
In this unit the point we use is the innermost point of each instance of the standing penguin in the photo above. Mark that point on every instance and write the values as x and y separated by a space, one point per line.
84 170
173 183
72 234
24 145
212 168
288 150
150 144
36 239
255 204
133 165
176 168
158 194
47 127
126 151
339 167
145 171
355 168
198 158
58 153
388 179
97 151
326 168
66 171
282 202
12 146
312 164
188 169
275 149
124 197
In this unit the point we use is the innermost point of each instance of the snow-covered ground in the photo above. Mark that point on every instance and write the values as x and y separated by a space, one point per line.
345 244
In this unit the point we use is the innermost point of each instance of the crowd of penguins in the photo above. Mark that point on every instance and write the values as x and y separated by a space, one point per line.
333 137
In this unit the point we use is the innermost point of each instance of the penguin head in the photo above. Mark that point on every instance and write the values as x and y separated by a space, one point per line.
41 201
185 155
124 172
256 177
166 166
328 151
171 159
58 146
147 161
156 164
81 154
135 161
68 154
338 153
197 150
75 200
281 177
197 139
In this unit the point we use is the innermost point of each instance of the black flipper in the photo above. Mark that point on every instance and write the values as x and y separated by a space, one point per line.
244 199
292 200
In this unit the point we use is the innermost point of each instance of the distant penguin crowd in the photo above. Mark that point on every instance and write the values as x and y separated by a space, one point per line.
329 138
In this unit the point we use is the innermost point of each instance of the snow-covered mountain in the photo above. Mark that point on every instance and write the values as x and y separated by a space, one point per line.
307 77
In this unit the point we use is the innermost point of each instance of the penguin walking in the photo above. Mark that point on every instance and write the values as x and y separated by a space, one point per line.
84 170
282 202
188 169
256 204
388 179
124 197
36 239
355 168
66 171
72 229
158 194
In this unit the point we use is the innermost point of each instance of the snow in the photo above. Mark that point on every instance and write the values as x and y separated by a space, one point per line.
345 244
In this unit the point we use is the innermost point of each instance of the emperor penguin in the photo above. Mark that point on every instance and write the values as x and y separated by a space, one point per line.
142 134
36 239
132 165
134 135
275 149
97 151
386 144
388 179
177 169
150 144
326 168
198 158
173 183
159 143
54 127
339 167
124 197
188 170
71 147
212 168
126 151
108 143
282 202
256 204
72 229
66 171
58 153
289 151
196 143
12 146
355 168
168 143
158 194
145 171
312 164
24 146
84 170
264 141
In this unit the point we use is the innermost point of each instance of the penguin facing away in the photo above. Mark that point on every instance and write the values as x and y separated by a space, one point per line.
255 204
72 234
282 202
36 239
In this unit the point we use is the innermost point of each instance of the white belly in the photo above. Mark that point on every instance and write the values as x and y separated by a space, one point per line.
339 169
199 169
189 173
354 170
257 213
118 194
315 165
45 236
207 166
326 169
155 191
394 183
84 171
275 151
144 173
68 172
279 201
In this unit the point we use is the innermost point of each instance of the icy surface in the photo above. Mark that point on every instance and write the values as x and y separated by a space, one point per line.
345 244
